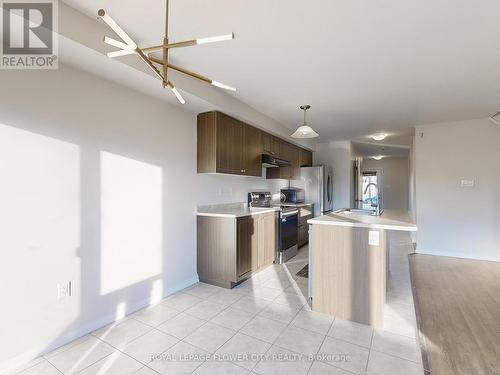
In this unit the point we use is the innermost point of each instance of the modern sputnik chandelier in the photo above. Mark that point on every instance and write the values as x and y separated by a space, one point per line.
129 47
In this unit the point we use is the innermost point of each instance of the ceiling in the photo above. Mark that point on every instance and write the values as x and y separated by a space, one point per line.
364 66
368 150
399 137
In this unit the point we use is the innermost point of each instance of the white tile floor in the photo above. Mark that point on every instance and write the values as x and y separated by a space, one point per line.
260 327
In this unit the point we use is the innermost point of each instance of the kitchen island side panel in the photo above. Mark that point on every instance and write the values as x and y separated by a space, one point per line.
349 275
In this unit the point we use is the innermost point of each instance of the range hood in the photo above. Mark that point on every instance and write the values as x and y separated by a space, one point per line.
269 161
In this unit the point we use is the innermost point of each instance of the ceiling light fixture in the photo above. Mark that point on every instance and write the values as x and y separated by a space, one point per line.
305 131
379 157
128 47
379 136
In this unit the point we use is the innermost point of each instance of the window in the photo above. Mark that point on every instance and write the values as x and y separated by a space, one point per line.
370 190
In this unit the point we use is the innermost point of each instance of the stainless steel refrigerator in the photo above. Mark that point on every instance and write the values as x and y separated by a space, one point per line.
318 186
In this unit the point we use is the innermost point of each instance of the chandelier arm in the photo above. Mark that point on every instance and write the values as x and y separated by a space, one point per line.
116 43
182 70
149 63
186 43
194 75
176 93
165 60
122 52
164 49
152 49
166 18
189 43
117 29
190 73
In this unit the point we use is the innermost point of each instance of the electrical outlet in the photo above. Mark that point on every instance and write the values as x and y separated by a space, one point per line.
373 238
64 290
467 183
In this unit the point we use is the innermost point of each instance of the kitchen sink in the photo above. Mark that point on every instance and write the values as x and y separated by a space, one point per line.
357 211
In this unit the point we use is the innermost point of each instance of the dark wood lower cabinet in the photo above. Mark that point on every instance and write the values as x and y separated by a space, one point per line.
230 250
247 234
303 235
305 213
268 239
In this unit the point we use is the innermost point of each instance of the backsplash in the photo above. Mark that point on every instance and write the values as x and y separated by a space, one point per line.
218 188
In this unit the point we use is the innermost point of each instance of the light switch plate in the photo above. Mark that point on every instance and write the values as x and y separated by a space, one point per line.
64 290
374 238
467 183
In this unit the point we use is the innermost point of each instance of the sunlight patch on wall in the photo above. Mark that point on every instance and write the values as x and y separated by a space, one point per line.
156 294
40 236
131 221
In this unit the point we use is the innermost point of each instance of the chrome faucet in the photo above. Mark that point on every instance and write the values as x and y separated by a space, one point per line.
377 211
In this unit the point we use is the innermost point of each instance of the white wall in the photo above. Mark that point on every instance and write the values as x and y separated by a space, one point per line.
412 198
452 220
395 171
83 164
338 155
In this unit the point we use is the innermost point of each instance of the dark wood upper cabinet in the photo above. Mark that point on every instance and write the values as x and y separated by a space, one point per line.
285 150
292 154
305 158
228 145
270 144
267 143
295 160
252 151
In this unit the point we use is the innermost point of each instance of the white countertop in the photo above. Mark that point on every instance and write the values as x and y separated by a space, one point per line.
233 210
389 220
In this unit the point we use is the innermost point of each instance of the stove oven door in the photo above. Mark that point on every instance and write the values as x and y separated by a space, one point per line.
288 229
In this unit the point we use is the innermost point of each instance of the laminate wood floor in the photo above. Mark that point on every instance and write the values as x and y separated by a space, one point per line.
458 314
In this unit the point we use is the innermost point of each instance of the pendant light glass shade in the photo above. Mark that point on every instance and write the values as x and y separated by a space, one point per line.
305 131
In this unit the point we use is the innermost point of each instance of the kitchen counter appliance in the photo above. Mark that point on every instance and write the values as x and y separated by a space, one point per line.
318 184
292 195
287 228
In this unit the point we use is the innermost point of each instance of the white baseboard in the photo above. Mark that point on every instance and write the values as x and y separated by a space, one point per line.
455 255
24 358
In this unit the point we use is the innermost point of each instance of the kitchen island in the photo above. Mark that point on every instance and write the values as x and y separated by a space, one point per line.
349 263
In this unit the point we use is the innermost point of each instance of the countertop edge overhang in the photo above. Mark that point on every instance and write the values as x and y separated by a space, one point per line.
389 220
234 213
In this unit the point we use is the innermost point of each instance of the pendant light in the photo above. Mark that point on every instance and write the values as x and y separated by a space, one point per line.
305 131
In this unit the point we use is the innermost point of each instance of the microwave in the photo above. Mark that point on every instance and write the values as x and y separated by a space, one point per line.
292 195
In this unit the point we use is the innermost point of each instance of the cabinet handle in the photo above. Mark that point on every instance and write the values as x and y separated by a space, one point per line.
243 170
